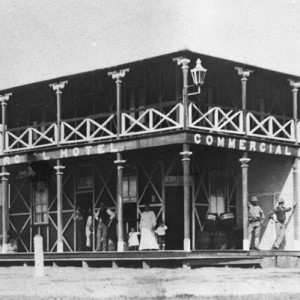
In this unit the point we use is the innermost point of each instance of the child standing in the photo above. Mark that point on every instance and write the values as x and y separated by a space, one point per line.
161 235
133 239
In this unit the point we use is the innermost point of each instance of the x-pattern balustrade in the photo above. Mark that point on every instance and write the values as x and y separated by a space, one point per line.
27 138
216 119
270 127
152 120
86 130
147 120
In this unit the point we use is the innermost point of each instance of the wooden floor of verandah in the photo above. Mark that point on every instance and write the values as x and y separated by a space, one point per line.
160 259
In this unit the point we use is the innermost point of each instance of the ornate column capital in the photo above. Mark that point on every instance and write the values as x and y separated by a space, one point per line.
117 75
57 87
243 72
4 98
182 61
244 162
120 163
186 155
4 175
294 84
59 169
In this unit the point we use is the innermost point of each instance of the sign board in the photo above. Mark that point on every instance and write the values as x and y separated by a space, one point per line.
177 180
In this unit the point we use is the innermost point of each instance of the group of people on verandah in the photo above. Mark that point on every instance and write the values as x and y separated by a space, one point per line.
150 237
257 216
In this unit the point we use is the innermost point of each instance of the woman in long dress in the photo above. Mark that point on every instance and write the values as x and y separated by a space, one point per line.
147 226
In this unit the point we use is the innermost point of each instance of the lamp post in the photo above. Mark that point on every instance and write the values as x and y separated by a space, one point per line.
198 75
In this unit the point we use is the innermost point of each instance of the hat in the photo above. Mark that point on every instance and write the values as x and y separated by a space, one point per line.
254 198
280 200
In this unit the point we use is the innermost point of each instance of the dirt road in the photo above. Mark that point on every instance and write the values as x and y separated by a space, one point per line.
156 283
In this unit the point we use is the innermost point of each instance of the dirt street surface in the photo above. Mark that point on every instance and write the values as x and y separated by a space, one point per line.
156 283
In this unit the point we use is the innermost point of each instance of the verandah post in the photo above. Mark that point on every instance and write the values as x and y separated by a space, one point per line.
245 195
296 182
245 74
186 197
185 70
4 176
59 173
120 165
117 75
57 87
4 180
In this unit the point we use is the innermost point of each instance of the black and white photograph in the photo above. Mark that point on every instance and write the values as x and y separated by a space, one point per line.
149 149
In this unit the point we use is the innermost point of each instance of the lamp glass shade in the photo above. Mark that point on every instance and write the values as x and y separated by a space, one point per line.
198 73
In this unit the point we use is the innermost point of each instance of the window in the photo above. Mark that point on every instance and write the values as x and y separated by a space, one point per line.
218 184
40 204
85 177
130 188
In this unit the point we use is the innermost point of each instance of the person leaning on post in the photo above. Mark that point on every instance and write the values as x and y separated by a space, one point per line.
256 217
280 212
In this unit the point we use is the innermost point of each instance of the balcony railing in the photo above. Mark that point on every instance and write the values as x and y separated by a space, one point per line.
270 127
216 119
26 138
98 127
148 120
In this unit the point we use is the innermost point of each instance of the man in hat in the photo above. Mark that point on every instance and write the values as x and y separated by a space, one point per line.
256 217
104 216
279 211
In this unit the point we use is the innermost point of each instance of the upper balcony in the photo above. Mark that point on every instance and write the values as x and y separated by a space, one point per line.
150 120
152 102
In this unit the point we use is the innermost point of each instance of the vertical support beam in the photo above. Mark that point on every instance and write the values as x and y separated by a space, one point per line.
4 180
57 87
245 194
59 173
3 100
4 175
120 166
185 69
295 85
296 184
117 75
245 74
186 197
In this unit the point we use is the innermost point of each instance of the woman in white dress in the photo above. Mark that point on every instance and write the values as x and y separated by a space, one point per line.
147 226
89 230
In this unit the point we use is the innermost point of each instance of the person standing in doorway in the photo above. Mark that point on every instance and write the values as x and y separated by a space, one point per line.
280 216
78 219
89 229
147 226
256 217
104 216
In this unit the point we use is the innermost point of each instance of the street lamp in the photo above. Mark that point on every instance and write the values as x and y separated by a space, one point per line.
198 75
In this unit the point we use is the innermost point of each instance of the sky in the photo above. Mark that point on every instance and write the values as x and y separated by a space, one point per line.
45 39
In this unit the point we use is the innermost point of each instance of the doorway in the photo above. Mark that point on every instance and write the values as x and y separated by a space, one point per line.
84 199
174 217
